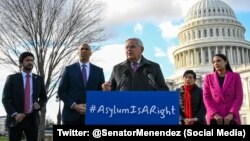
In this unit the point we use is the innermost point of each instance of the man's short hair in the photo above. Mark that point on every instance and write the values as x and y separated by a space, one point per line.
84 44
24 55
190 72
139 42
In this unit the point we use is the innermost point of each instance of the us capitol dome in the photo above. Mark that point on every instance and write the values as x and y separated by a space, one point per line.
211 27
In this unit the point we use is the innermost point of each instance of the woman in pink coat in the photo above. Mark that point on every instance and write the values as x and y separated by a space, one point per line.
222 93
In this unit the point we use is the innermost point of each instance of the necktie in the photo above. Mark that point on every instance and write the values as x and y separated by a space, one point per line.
134 66
27 95
84 74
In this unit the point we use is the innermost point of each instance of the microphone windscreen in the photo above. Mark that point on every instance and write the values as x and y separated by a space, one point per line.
146 71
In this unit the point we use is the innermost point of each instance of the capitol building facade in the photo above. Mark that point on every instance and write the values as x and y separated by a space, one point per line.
211 27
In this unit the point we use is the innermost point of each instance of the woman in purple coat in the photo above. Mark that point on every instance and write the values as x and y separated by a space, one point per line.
222 93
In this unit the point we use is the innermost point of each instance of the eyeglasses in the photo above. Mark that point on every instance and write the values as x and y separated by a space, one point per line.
132 46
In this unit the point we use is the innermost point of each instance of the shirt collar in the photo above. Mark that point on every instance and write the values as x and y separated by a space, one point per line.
87 64
138 61
24 74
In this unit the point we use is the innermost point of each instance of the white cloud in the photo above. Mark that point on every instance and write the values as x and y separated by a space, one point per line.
120 11
168 30
185 5
158 52
108 56
170 53
138 29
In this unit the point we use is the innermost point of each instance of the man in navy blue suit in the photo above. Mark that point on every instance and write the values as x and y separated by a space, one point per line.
76 80
23 96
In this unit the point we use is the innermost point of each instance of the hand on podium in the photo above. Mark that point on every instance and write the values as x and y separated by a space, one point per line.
106 86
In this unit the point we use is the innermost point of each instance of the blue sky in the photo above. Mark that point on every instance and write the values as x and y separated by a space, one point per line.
155 22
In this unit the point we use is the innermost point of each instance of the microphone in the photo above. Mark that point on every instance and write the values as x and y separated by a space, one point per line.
147 72
125 74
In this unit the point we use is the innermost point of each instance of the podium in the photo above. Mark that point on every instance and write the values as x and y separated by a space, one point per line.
132 108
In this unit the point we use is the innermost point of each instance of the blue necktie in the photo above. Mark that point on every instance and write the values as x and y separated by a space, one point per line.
84 74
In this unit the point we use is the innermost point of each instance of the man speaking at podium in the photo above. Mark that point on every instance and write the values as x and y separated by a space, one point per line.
136 73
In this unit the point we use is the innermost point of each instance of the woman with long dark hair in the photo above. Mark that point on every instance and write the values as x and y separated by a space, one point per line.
222 93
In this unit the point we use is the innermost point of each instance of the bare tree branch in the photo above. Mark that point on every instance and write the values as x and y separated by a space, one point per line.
50 29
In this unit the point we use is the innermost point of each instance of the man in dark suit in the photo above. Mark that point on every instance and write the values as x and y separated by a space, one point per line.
76 80
23 96
136 73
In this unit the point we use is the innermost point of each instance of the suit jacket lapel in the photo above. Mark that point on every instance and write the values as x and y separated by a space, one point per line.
217 85
91 74
79 72
228 78
34 85
127 65
21 87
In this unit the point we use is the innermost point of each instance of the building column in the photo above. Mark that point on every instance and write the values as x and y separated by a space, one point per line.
202 33
189 58
192 58
175 61
179 55
243 56
224 50
238 55
209 55
216 50
196 34
247 56
179 60
195 58
231 54
182 62
228 53
185 58
202 56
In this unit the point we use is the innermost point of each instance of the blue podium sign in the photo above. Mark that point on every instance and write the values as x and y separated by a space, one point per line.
132 108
